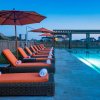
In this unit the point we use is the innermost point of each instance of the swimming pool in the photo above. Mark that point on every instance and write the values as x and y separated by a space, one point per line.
90 57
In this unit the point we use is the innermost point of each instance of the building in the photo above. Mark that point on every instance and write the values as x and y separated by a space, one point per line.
91 39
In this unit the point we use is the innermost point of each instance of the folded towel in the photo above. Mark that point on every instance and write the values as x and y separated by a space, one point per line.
43 72
28 56
50 53
18 62
48 61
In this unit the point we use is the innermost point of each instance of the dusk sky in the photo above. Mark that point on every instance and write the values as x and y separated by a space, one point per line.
61 14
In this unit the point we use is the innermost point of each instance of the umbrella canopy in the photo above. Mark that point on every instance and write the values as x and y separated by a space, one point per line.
42 30
13 17
47 35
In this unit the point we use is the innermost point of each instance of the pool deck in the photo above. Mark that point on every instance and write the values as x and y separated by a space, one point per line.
73 79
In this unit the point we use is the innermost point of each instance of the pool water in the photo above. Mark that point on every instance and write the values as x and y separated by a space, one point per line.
89 57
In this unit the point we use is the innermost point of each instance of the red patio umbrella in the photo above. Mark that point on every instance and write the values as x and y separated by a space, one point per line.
14 17
47 35
42 30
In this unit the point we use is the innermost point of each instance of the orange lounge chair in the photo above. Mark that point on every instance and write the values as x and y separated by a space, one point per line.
22 78
39 49
43 50
17 66
43 47
24 84
35 55
38 52
27 58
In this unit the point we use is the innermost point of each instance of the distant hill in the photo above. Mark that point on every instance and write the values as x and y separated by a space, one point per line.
3 37
13 38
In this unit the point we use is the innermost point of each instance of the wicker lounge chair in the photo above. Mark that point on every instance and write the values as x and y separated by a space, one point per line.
41 49
36 55
26 58
24 67
38 52
26 84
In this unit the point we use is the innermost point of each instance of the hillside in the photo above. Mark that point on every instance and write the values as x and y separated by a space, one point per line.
3 37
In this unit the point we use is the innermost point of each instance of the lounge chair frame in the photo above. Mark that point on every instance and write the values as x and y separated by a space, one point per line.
12 69
29 89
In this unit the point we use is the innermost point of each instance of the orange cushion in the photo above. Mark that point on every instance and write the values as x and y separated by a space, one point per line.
22 52
42 53
33 49
22 77
10 57
39 55
42 59
47 51
28 50
33 65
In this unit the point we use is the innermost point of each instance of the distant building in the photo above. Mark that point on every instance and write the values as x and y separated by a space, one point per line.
92 39
60 38
46 39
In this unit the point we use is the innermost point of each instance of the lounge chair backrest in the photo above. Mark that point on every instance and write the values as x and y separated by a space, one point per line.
38 47
10 57
33 49
22 52
42 45
28 50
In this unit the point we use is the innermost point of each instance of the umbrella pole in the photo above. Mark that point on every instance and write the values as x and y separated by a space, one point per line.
16 42
53 41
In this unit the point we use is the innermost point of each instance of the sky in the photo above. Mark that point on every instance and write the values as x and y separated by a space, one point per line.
61 14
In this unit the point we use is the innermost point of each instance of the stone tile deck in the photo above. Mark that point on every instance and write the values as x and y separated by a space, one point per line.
74 80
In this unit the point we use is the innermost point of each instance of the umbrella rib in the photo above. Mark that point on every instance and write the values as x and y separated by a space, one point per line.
6 19
17 19
3 13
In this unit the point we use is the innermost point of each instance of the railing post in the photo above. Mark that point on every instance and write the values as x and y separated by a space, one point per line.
87 40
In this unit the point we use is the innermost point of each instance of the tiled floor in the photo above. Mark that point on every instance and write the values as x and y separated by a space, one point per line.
74 80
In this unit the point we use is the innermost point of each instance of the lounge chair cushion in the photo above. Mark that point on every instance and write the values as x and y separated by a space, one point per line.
33 49
8 54
39 55
21 51
28 50
12 59
22 77
33 65
43 58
